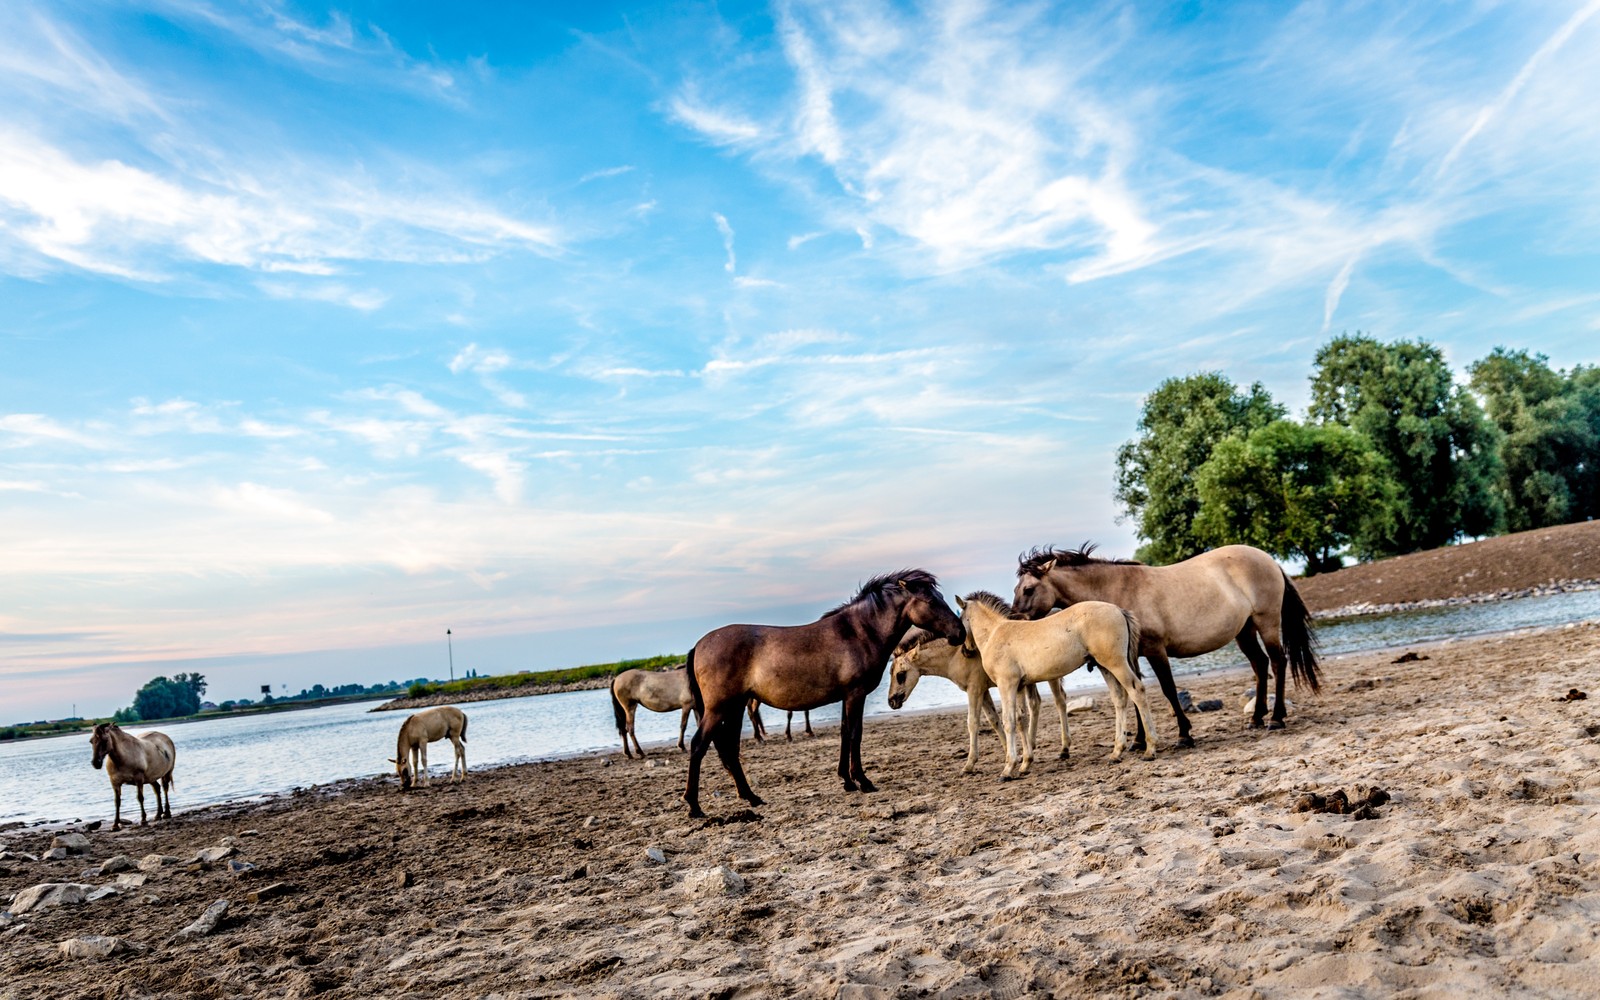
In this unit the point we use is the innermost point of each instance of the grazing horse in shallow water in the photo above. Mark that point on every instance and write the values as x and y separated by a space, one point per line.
137 761
839 657
921 654
410 758
1236 593
1018 652
657 690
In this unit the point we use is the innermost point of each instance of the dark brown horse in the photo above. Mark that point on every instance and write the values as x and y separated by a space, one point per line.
1236 593
839 657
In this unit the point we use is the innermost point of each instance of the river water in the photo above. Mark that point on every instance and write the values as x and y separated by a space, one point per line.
233 759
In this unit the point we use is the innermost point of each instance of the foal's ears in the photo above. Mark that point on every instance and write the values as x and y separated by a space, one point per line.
961 602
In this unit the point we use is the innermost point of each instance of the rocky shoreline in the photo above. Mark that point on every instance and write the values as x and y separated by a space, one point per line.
1546 590
491 694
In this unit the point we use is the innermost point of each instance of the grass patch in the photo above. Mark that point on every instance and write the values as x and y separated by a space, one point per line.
570 675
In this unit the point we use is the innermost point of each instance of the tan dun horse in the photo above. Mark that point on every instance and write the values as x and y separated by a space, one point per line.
137 761
1017 652
410 758
657 690
921 654
839 657
1235 593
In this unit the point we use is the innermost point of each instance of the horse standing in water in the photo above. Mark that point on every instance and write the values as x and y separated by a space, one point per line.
1234 593
410 758
137 761
839 657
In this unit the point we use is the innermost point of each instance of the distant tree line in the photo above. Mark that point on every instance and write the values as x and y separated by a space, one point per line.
1393 456
179 696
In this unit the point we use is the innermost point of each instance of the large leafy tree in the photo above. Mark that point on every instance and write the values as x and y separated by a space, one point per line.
1297 491
169 697
1551 426
1182 422
1440 447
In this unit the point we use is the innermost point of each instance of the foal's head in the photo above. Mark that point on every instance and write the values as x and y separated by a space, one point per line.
100 742
905 672
402 767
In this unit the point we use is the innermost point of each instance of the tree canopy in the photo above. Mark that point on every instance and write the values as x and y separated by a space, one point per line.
167 698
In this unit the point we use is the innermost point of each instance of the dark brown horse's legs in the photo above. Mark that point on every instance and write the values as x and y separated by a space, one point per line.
697 751
1163 668
727 740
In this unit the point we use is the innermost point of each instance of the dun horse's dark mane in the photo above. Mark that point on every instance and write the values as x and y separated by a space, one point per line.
994 601
874 591
1033 561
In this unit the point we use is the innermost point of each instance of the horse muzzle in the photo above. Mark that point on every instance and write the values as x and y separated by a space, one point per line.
895 700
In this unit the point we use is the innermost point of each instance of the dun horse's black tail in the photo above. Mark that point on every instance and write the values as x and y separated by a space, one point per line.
1133 642
694 686
463 727
1298 639
617 710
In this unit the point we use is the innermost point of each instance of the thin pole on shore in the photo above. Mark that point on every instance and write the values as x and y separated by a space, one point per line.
450 648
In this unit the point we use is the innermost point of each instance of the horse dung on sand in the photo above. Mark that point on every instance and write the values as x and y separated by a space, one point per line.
839 657
1234 593
137 761
410 758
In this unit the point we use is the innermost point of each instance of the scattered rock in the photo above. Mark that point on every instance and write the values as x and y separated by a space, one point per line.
16 856
211 855
1085 703
130 880
155 862
250 833
75 843
97 946
655 855
1363 806
402 879
240 867
101 892
116 863
1409 656
1573 694
581 871
589 823
206 922
718 881
228 842
1209 705
272 891
605 761
56 854
50 894
1185 700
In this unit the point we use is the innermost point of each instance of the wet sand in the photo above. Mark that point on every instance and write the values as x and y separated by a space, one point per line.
1193 875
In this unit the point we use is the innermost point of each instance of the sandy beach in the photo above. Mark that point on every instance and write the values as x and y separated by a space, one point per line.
1192 875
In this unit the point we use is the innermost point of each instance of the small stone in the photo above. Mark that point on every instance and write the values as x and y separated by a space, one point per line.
655 855
589 823
93 946
605 761
228 842
250 833
155 862
102 892
206 922
56 854
75 843
1185 700
402 879
116 863
49 894
718 881
1209 705
130 880
268 892
240 867
211 855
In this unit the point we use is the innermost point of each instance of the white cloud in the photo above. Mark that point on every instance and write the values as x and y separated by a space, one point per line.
29 429
727 240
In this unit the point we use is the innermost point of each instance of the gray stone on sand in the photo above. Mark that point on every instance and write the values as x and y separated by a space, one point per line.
130 880
655 855
49 894
116 863
211 855
718 881
155 862
93 946
75 843
56 854
206 922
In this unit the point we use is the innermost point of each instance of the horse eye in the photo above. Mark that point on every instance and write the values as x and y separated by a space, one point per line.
900 678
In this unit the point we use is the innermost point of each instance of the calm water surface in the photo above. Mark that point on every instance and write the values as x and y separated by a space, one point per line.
232 759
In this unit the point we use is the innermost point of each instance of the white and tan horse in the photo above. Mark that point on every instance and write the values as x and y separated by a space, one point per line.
924 655
137 761
410 758
1018 652
657 690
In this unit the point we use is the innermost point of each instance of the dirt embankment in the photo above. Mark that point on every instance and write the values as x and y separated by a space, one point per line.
1563 557
491 694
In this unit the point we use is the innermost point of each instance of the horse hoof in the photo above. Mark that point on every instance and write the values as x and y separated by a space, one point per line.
695 812
867 786
1063 755
1137 746
1255 724
1150 755
1278 724
1186 741
849 785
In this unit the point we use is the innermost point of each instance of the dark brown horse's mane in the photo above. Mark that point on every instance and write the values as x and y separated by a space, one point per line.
994 601
874 591
1033 561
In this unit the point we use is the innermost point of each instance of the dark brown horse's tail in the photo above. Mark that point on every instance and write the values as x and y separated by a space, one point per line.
617 710
1299 641
694 686
1133 642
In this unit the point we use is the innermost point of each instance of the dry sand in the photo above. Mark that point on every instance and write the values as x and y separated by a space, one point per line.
1189 876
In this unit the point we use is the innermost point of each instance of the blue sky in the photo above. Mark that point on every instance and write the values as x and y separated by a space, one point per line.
579 330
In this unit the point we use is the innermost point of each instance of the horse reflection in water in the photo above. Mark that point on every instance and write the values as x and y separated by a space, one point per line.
839 657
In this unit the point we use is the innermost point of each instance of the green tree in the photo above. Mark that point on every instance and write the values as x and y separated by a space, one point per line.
167 698
1183 420
1550 422
1441 449
1297 491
